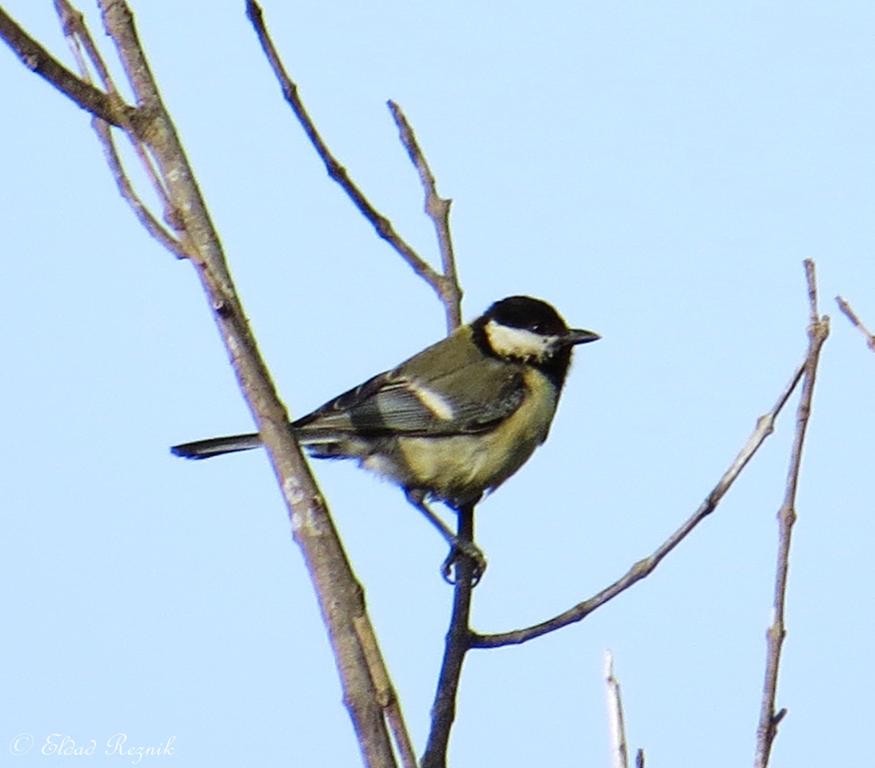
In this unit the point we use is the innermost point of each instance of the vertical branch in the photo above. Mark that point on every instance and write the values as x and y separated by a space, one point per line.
438 210
458 642
619 750
818 330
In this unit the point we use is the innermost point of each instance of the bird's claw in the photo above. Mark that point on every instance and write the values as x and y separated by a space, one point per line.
464 549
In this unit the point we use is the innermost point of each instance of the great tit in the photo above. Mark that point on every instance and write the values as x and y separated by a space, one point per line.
452 422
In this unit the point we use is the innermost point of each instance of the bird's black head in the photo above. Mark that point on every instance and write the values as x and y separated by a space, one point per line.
530 331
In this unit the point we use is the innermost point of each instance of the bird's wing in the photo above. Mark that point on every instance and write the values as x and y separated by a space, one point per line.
395 404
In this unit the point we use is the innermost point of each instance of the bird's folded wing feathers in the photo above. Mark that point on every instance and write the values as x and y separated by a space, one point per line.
391 404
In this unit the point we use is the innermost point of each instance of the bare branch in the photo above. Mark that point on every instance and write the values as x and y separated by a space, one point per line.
443 711
856 322
78 34
126 190
643 568
818 331
339 594
386 694
335 170
619 750
39 60
79 37
438 210
386 231
447 288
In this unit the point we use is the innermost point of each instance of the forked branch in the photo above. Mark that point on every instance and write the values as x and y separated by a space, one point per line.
79 37
643 568
39 60
149 124
444 285
818 331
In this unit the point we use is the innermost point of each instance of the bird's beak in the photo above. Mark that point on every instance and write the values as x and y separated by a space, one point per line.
579 336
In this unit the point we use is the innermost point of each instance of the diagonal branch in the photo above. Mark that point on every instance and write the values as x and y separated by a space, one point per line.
130 196
39 60
643 568
818 331
382 225
856 322
447 288
386 694
339 594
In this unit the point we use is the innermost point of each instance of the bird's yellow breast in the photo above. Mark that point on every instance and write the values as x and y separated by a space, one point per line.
460 468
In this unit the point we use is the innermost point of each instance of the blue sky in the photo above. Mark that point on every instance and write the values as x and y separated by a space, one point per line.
657 171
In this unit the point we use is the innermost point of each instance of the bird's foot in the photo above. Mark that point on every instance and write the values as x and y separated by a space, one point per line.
463 549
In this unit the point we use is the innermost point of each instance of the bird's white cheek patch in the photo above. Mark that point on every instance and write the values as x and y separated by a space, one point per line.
432 400
518 342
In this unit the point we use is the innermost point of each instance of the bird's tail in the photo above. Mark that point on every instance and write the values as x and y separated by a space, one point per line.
216 446
320 444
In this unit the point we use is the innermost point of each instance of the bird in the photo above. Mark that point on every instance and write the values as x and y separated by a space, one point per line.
454 421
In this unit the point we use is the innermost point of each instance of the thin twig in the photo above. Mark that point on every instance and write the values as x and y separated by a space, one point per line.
641 569
856 322
335 170
126 190
39 60
386 694
83 34
79 36
438 210
619 750
443 711
818 331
